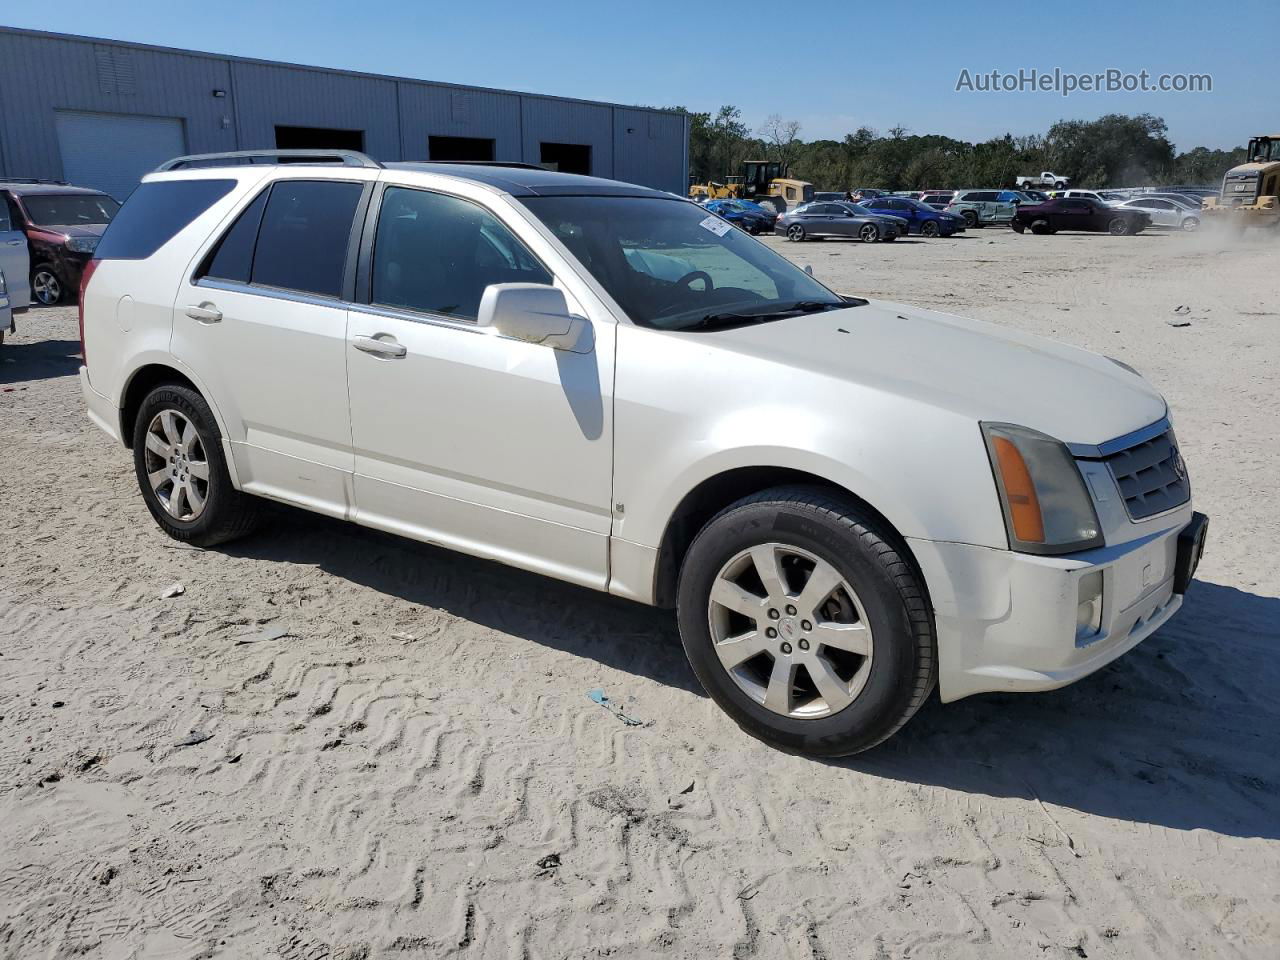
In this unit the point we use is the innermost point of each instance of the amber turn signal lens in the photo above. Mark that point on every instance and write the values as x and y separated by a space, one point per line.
1020 492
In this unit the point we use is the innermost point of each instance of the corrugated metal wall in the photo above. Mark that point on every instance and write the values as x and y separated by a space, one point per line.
43 73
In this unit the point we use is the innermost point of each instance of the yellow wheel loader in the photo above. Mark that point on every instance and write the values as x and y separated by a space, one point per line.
1250 192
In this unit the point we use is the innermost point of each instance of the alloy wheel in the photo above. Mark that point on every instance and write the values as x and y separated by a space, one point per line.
795 232
790 631
869 233
177 466
47 287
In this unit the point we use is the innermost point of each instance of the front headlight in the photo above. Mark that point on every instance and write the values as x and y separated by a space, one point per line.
82 244
1046 506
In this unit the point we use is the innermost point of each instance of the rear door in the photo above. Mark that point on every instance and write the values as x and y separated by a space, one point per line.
262 320
14 261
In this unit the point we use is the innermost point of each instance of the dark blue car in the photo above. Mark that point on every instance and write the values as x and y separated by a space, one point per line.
751 217
922 218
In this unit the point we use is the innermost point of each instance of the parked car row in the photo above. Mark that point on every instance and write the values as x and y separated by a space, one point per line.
880 218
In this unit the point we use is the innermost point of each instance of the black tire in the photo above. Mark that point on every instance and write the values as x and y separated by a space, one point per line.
1191 224
1017 226
868 233
48 288
929 228
1060 185
971 219
903 667
1119 227
795 233
227 513
1040 227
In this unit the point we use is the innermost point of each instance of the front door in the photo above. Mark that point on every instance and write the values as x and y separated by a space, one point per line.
14 261
489 445
263 326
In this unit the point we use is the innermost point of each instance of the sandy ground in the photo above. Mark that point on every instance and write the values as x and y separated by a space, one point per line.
415 769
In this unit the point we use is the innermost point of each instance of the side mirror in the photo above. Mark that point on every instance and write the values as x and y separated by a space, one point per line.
534 313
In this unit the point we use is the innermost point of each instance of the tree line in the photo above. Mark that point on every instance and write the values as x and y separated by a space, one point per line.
1112 151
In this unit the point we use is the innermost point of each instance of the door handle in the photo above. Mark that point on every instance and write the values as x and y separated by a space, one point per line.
388 348
205 313
13 243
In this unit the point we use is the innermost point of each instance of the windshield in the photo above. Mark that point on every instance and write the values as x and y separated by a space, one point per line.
671 266
48 210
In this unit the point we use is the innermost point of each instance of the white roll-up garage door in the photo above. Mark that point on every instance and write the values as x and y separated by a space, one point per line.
111 151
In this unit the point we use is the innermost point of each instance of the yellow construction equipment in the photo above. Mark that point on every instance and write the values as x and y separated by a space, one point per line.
1250 192
766 182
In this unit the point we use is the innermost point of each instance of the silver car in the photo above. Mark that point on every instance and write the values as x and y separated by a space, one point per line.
815 220
1167 212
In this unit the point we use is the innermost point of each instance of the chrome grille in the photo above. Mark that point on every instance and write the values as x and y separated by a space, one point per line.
1151 476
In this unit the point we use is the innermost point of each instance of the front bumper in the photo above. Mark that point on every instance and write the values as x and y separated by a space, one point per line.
1009 621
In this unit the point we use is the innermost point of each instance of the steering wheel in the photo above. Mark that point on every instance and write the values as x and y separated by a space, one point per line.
693 275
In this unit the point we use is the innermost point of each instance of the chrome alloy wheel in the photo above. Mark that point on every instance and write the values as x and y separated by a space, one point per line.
176 465
790 631
47 287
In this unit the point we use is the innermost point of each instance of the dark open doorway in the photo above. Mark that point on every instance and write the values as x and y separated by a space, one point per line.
459 148
567 157
318 138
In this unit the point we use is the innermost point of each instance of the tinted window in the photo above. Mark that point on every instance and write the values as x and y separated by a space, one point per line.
154 213
437 253
232 258
4 219
306 228
56 210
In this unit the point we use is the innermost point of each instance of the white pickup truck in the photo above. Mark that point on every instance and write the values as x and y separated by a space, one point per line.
1048 180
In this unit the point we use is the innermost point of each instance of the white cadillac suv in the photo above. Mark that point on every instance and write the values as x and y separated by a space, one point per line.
847 502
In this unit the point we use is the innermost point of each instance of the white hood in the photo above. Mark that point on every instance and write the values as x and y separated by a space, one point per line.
978 369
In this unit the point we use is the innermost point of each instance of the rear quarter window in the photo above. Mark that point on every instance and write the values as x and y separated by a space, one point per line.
154 213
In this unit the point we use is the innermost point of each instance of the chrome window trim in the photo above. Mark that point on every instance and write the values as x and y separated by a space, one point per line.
430 319
272 293
1086 451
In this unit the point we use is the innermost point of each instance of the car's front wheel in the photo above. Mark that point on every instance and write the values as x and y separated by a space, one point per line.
46 286
868 233
1017 226
1118 227
929 228
806 623
181 470
1191 224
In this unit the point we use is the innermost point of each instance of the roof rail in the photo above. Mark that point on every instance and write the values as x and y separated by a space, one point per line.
485 163
58 183
347 158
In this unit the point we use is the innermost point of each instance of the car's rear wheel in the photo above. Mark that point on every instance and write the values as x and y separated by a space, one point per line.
806 623
1040 227
1118 226
971 219
47 286
795 233
868 233
182 473
929 228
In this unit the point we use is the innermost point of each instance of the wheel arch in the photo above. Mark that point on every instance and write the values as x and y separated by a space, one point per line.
149 375
720 490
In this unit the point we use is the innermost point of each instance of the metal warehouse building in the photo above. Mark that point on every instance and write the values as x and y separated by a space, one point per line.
101 113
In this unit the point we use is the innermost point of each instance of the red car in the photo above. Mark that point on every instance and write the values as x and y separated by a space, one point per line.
1079 214
63 225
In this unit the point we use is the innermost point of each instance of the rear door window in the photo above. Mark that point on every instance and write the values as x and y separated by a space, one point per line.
306 230
154 213
232 258
434 253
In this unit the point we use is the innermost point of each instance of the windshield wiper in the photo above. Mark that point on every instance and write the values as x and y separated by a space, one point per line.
717 320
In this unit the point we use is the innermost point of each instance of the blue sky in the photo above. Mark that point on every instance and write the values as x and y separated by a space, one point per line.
833 66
